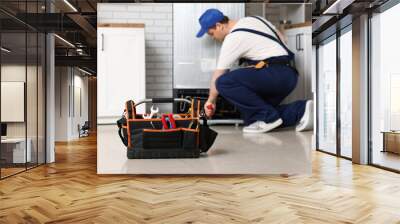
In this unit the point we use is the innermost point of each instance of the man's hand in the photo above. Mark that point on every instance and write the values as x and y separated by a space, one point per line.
209 108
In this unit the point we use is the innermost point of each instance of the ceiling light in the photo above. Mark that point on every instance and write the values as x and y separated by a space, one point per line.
70 5
331 7
79 51
84 71
5 50
337 7
64 40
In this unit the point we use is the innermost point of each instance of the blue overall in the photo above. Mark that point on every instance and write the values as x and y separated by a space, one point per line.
258 93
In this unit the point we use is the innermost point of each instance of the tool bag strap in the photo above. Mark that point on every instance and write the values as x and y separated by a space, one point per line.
198 107
120 123
192 112
130 109
207 135
195 107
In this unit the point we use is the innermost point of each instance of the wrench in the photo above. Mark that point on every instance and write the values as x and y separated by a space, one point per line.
153 111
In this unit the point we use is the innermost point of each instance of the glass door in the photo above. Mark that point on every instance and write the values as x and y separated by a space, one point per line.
22 62
14 153
385 89
326 96
346 92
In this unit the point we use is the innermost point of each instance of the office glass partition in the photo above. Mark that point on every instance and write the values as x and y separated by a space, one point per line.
31 100
41 97
32 86
22 61
385 89
346 92
42 89
14 144
326 96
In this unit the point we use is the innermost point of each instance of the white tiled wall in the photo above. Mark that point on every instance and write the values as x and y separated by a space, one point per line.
158 35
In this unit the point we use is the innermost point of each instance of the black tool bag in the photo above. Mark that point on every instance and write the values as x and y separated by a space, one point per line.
149 139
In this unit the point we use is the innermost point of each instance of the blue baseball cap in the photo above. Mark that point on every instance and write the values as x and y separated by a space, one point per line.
209 18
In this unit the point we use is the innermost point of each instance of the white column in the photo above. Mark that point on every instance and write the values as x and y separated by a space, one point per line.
50 99
360 90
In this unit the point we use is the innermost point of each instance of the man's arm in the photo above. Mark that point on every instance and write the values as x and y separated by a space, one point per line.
283 37
213 89
213 94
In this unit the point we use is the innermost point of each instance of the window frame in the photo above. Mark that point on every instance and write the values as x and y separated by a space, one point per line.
334 37
379 10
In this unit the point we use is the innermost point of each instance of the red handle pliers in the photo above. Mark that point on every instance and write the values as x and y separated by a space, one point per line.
168 121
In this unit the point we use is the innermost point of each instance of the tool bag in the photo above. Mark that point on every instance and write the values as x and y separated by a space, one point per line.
171 136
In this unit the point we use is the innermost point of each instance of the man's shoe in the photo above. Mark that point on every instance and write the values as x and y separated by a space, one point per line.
261 126
307 121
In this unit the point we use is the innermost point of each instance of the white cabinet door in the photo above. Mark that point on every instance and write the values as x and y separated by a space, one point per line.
299 42
121 70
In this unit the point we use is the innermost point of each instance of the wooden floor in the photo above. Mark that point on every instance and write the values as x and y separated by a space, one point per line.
69 191
5 172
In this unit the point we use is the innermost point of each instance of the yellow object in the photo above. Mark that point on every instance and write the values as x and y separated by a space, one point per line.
260 64
189 113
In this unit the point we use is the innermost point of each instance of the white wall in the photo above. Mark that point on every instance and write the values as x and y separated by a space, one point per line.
11 73
17 73
33 126
61 103
67 81
78 117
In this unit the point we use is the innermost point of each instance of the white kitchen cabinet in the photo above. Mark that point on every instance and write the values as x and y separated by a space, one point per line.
121 69
299 42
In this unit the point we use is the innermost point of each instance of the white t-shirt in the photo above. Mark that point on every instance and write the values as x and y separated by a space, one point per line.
242 44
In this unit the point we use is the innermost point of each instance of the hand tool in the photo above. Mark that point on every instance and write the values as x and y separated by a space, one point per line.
153 111
176 116
168 121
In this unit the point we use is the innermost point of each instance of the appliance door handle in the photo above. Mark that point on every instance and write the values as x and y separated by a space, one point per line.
102 42
300 48
297 42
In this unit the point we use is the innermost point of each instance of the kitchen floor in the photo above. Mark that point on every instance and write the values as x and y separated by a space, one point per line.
283 151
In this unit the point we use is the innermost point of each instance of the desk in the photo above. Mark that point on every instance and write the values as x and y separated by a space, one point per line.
391 141
15 148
